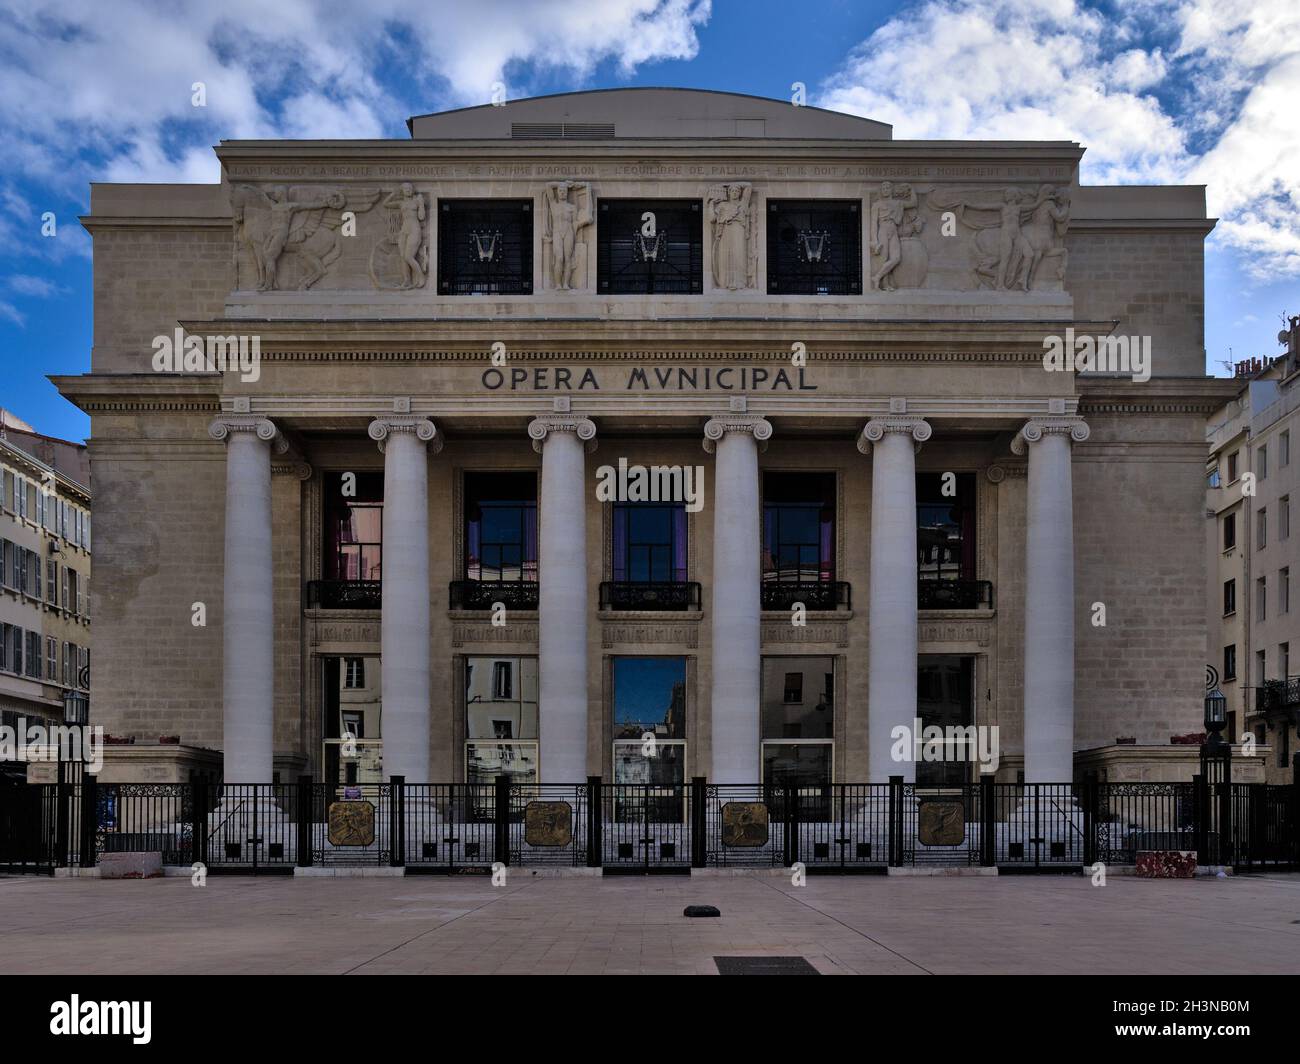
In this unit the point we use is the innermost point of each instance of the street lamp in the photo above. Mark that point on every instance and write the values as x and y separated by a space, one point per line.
1216 717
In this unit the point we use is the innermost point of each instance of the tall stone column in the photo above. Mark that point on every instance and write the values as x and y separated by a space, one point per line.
891 620
404 574
1049 598
735 698
563 441
248 625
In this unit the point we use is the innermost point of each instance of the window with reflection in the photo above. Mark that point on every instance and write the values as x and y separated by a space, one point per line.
945 526
799 527
945 699
798 721
500 719
649 542
501 527
814 247
354 525
485 247
649 710
351 721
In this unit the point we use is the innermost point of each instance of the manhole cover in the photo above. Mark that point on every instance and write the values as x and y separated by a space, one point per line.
764 966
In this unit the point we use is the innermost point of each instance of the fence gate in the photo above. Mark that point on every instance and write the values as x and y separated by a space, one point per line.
645 827
29 835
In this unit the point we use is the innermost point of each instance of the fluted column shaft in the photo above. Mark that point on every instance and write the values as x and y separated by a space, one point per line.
891 621
404 575
1049 598
248 623
562 441
735 699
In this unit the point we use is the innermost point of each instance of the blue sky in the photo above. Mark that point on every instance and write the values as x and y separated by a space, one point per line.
1181 91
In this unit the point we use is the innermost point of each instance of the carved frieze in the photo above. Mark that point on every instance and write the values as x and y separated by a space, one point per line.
729 210
568 211
816 631
400 258
658 631
470 631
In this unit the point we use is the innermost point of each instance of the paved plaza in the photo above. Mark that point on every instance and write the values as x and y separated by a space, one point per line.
613 925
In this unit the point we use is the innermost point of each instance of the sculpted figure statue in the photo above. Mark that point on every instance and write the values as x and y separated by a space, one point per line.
410 235
728 211
567 212
883 230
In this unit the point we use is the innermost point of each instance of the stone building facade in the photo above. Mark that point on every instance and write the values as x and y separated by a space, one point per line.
44 577
385 548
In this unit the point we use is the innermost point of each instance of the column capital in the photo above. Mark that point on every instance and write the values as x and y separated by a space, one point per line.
717 427
1075 428
263 428
422 428
582 427
874 431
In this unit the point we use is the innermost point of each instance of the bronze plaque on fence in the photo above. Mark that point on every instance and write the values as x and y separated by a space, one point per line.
548 823
942 823
744 824
351 824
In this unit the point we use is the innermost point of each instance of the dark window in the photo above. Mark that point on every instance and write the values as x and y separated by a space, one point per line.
500 526
503 680
649 542
944 689
485 247
1230 662
794 688
799 527
661 253
814 247
354 524
945 526
1229 531
1229 597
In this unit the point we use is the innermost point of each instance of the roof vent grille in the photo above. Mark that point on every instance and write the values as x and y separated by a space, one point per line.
562 130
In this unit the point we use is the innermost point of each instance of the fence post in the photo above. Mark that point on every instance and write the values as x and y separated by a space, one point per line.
1090 818
303 816
791 794
1293 821
89 819
988 818
61 817
595 823
501 812
397 821
699 821
895 821
198 820
1201 815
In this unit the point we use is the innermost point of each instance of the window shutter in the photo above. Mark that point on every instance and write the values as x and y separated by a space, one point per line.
64 600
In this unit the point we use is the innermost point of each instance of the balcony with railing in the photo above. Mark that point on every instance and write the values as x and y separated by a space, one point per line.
954 595
814 594
343 594
484 594
1276 696
665 595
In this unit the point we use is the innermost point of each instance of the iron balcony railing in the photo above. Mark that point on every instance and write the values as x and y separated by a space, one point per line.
954 594
815 595
649 595
343 594
1276 695
483 594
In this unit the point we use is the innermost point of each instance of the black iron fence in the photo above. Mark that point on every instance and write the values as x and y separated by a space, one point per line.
645 827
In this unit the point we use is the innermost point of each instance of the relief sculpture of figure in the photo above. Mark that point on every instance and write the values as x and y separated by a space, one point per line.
275 223
728 210
1046 229
410 237
568 210
1007 263
883 231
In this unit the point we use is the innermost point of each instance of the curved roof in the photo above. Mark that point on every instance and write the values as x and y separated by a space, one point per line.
636 113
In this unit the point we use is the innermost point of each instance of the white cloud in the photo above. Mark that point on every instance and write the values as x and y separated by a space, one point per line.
95 90
8 312
27 285
1181 91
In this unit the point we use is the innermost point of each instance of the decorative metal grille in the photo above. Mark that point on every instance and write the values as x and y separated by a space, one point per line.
485 247
814 247
660 254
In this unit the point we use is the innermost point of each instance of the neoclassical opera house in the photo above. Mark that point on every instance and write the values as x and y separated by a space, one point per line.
644 412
